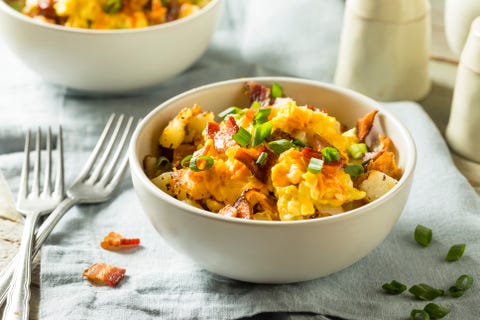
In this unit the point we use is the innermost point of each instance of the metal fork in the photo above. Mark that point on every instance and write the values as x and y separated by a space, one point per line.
95 183
33 204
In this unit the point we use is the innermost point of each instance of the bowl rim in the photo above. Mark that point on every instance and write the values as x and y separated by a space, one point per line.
137 170
103 32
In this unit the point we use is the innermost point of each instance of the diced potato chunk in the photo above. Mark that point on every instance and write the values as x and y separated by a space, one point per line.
377 184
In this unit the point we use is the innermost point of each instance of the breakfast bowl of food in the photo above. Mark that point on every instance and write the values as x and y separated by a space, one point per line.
272 180
108 46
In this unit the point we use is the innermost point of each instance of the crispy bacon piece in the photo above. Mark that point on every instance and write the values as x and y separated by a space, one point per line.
212 128
240 209
257 92
102 274
319 142
364 125
115 241
249 158
385 163
223 137
309 153
250 202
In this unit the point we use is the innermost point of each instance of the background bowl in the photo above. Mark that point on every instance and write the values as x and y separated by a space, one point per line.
266 251
108 61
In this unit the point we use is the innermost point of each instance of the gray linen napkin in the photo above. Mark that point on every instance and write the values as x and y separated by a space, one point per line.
161 283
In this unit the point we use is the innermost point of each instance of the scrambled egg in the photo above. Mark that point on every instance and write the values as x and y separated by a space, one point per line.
110 14
225 167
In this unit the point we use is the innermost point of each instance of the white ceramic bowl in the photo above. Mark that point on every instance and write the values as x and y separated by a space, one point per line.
108 61
266 251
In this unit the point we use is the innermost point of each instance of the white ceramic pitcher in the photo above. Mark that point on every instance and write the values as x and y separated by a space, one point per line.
459 15
384 49
463 129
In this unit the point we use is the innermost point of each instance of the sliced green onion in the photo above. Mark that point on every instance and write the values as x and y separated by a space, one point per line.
280 146
425 292
163 162
261 116
262 158
232 110
416 314
299 143
112 6
357 150
276 91
185 163
354 170
255 105
423 235
455 291
394 287
436 311
243 137
201 163
261 132
464 282
315 165
455 252
330 154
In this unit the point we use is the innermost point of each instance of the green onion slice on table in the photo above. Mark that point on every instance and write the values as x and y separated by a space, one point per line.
425 292
455 252
394 287
416 314
423 235
436 311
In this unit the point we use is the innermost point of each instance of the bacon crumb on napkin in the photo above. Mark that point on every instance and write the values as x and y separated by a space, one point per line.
115 241
102 274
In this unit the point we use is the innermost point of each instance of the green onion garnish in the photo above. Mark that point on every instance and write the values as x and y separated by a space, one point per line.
330 154
255 105
354 170
276 91
455 252
357 150
419 315
262 158
185 163
232 110
299 143
163 162
423 235
455 291
261 132
201 163
464 282
261 116
315 165
112 6
436 311
243 137
394 287
425 292
280 146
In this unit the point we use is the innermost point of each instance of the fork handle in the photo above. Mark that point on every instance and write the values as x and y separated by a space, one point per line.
41 235
18 299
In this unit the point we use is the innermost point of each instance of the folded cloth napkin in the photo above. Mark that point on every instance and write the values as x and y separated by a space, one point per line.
160 283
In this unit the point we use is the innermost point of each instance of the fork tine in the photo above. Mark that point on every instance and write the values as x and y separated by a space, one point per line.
48 163
59 178
36 168
96 150
108 149
123 141
23 188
